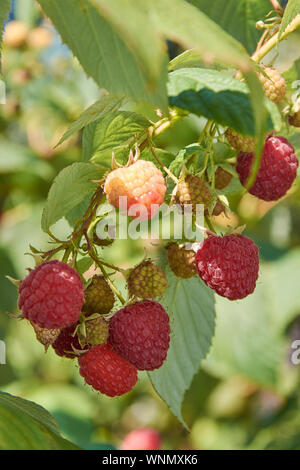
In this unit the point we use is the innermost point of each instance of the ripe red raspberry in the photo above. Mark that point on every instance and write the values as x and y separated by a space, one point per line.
278 169
67 341
181 261
98 297
229 265
141 334
274 86
44 336
222 178
106 371
96 331
142 183
147 281
142 439
240 142
51 295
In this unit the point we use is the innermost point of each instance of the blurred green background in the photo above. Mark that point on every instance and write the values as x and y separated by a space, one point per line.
247 394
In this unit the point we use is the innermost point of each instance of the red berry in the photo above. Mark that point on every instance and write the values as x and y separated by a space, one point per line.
229 265
106 371
51 295
141 334
142 183
278 169
142 439
66 341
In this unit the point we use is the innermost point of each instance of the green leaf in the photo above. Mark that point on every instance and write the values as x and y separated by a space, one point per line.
108 41
282 287
114 130
291 11
107 104
190 58
69 188
246 341
24 425
190 305
237 18
291 76
183 23
164 156
182 157
4 11
84 264
215 95
78 211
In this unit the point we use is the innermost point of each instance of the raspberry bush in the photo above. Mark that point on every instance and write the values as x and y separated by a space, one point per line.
158 314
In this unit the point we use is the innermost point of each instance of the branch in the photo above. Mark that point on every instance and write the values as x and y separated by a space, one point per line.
276 5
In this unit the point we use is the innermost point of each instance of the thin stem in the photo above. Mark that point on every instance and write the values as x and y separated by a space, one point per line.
106 276
209 224
276 5
205 131
173 177
112 286
67 254
272 42
111 266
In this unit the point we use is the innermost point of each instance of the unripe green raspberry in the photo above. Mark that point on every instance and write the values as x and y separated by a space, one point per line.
274 86
181 261
193 190
45 336
147 281
294 119
222 178
98 296
240 142
96 331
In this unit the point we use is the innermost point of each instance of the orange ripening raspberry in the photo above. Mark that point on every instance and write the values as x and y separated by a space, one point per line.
140 184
